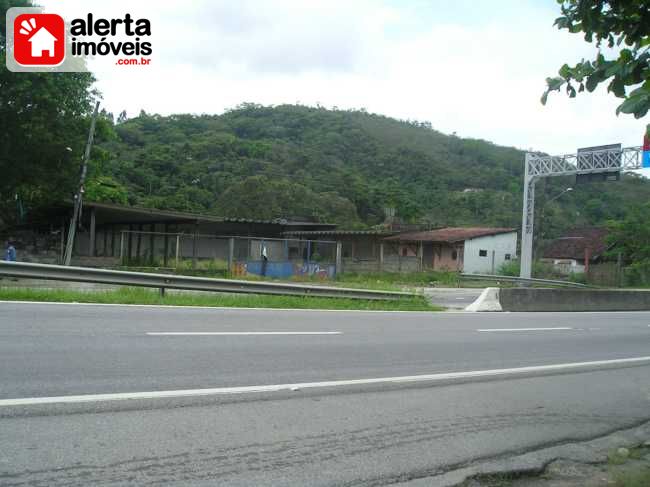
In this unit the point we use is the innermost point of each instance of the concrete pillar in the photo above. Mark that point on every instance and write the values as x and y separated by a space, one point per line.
166 244
112 240
129 245
104 249
121 248
152 244
399 256
178 249
339 257
138 244
231 255
420 256
194 249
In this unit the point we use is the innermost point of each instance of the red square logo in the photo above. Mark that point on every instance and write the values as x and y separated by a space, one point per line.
39 40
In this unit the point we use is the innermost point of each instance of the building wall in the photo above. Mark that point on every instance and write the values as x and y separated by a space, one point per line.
391 264
496 248
443 257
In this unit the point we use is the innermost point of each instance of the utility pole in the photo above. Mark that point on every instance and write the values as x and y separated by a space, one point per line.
80 192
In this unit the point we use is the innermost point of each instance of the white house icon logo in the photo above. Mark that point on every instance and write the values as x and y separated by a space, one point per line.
39 39
42 41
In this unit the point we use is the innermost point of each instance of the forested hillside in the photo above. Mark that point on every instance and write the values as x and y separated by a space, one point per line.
340 166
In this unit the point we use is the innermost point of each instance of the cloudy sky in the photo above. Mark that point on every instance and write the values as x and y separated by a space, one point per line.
474 67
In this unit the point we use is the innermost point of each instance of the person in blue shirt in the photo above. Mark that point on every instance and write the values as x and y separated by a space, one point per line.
10 253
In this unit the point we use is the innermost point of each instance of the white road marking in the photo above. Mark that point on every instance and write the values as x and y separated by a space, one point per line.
236 333
434 378
483 330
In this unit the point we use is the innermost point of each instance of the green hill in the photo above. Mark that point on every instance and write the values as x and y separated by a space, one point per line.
334 165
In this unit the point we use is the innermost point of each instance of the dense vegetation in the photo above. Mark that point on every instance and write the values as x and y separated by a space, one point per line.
334 165
43 125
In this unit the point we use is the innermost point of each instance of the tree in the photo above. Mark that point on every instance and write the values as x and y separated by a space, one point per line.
44 120
632 235
623 25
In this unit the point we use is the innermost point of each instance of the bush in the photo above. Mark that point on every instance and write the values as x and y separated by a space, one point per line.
638 274
509 268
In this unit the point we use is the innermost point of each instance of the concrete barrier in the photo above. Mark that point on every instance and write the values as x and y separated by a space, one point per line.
487 301
544 299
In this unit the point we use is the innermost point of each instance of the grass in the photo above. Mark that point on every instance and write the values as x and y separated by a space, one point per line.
384 281
633 478
629 475
128 295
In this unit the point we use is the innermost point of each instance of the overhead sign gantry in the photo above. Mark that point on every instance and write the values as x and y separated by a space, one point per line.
605 160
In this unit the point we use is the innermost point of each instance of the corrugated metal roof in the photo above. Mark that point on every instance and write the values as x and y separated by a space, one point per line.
575 242
450 234
196 217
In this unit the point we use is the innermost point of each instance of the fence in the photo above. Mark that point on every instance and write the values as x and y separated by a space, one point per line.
237 256
368 257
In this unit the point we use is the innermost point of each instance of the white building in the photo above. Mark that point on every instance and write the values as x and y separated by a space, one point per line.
473 250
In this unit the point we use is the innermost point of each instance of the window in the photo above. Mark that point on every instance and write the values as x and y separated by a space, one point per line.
507 256
454 255
482 253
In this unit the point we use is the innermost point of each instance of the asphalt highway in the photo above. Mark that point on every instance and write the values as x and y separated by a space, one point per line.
127 421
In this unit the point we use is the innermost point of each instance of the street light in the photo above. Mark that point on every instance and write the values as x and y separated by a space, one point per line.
557 196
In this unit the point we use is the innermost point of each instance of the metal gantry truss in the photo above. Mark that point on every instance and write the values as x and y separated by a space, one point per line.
539 166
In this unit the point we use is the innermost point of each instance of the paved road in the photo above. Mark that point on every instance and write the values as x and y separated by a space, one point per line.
363 434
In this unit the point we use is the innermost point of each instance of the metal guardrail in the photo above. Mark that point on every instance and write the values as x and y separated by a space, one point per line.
490 277
168 281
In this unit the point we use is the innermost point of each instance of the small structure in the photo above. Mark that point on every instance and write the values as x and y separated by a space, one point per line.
467 249
110 234
574 251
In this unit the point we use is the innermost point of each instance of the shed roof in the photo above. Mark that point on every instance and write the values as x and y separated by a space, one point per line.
450 234
115 211
573 244
334 233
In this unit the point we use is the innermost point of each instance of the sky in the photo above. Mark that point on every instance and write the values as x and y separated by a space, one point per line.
476 68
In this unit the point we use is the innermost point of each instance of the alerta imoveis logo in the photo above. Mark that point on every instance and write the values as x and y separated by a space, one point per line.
39 40
42 39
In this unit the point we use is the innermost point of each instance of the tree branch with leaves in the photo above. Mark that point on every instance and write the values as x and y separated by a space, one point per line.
622 25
